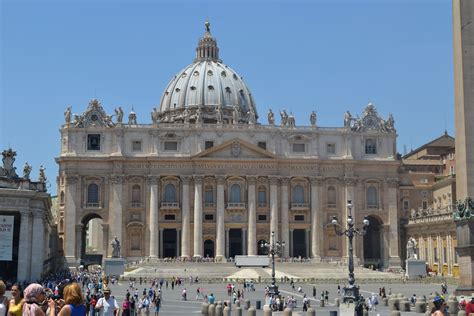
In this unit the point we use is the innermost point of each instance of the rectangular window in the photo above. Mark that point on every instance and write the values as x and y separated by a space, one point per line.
451 170
371 146
208 144
435 254
137 145
426 254
445 255
298 148
330 148
424 205
171 146
406 205
262 218
262 145
93 142
170 217
209 217
209 196
299 218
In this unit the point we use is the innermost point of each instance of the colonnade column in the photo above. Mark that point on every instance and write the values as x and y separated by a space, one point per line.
394 256
349 184
185 217
116 208
178 242
273 206
317 229
70 220
198 243
252 217
220 219
105 238
24 247
161 243
285 237
154 196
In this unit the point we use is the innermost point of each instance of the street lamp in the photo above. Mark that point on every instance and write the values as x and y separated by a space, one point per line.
274 247
351 292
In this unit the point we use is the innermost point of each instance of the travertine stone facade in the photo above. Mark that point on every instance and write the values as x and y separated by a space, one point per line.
205 178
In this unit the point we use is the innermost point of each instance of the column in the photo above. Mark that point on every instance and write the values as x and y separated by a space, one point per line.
70 220
105 239
115 208
227 242
80 239
154 217
178 241
198 243
290 245
161 243
317 228
273 206
349 184
24 247
220 220
185 217
284 214
118 141
394 257
307 241
252 217
244 237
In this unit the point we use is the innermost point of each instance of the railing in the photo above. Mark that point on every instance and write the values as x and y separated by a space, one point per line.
169 205
299 206
332 205
431 215
262 205
92 205
235 205
135 204
209 205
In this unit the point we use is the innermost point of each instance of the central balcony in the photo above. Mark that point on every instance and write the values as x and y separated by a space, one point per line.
235 206
169 205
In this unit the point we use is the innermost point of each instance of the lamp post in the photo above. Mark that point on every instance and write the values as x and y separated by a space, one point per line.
351 292
273 247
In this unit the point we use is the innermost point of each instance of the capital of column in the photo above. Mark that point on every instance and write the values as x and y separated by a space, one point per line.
285 180
349 181
153 133
117 178
220 179
316 181
153 179
274 180
198 179
119 132
251 180
37 214
186 179
25 214
72 178
392 182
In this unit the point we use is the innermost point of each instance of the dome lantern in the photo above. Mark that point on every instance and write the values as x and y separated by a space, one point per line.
207 47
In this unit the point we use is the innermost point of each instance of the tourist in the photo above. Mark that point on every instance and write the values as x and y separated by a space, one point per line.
470 306
211 299
3 299
183 294
16 303
157 303
440 307
35 301
126 305
305 303
314 291
107 305
74 301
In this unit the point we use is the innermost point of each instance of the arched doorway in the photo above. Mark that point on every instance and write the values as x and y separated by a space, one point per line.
261 251
373 240
209 248
299 243
235 242
170 243
92 240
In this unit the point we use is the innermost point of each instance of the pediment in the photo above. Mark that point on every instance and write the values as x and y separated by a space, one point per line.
236 149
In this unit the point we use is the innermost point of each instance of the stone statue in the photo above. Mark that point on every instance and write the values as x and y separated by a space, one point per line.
199 115
219 118
8 169
26 170
271 117
252 116
291 120
119 114
284 117
115 247
390 124
108 121
313 118
132 118
186 115
411 249
78 120
154 116
42 175
67 115
347 119
236 115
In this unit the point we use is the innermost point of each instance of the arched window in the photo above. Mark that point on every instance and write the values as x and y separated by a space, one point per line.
209 195
136 194
170 193
93 194
331 197
235 193
298 194
61 198
372 197
262 196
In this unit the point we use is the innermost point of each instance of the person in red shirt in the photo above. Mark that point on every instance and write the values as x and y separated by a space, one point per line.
470 306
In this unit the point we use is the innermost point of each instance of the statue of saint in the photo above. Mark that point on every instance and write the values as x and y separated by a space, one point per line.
67 115
291 120
252 116
42 175
313 118
411 249
115 247
119 114
284 117
347 119
132 118
26 170
236 115
199 115
219 118
154 116
390 124
271 117
186 115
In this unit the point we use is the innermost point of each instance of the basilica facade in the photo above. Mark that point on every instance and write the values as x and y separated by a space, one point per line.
204 177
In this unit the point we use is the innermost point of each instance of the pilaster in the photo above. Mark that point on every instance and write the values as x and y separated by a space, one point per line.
24 249
317 231
153 182
252 217
116 211
273 206
185 225
285 237
198 243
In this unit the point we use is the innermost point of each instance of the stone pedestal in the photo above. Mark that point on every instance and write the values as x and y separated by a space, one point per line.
113 266
415 268
465 250
346 309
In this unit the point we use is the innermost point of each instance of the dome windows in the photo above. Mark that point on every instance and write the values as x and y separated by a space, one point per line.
210 87
227 89
235 77
193 88
177 89
183 75
210 73
223 74
196 73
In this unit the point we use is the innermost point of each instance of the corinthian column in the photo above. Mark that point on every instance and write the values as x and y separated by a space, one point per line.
153 180
349 184
198 216
185 218
285 233
220 216
394 260
37 250
317 229
273 206
24 247
252 217
116 208
70 220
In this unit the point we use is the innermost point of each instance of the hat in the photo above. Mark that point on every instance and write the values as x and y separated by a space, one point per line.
107 290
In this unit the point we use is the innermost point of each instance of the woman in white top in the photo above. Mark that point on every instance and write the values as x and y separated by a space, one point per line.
3 299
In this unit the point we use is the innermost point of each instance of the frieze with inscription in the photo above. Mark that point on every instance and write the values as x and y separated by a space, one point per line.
14 201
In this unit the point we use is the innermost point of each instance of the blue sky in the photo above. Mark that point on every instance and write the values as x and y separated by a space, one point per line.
328 56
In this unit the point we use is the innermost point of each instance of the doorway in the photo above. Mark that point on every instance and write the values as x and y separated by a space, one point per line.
299 243
235 242
170 243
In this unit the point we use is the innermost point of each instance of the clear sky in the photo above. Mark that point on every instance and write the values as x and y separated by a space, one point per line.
328 56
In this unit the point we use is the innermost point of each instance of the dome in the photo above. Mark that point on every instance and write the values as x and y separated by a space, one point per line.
207 91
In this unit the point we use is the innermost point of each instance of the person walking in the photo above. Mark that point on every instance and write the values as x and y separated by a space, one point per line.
73 300
16 303
107 305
